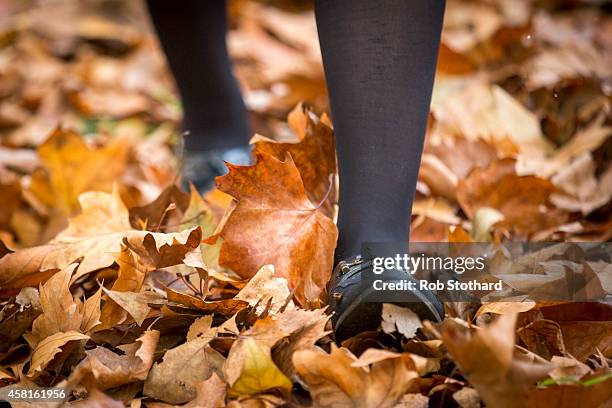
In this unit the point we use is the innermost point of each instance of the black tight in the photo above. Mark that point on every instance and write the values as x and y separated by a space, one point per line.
192 34
379 58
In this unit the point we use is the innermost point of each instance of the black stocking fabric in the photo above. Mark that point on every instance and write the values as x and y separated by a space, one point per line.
380 59
192 34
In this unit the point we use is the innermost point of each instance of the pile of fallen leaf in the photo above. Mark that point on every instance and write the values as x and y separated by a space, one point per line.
126 290
519 139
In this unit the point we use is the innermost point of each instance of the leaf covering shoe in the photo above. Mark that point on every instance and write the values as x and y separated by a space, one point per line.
201 167
350 298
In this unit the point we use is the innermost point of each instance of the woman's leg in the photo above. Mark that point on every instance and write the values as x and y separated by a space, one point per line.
192 34
380 59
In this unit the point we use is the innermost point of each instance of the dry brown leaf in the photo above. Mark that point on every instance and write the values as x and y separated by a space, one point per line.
467 398
265 286
276 60
152 215
5 375
461 155
401 319
94 237
90 312
466 25
436 209
483 223
543 337
256 401
294 28
97 399
523 200
443 164
173 379
584 141
300 340
61 313
569 396
424 229
505 307
223 307
440 180
159 250
486 357
582 338
130 302
314 156
549 67
420 364
209 394
578 179
201 327
48 347
115 103
17 317
413 400
274 222
11 199
452 63
458 234
333 380
568 368
104 369
130 277
604 273
475 109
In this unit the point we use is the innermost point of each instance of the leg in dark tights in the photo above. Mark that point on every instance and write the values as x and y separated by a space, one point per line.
380 59
379 63
192 34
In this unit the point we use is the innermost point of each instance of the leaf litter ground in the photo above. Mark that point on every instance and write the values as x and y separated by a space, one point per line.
124 289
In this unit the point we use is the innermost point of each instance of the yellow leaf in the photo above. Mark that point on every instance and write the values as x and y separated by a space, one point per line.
200 214
259 373
267 333
73 168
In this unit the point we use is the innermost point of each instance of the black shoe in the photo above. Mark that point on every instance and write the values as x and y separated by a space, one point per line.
201 168
350 299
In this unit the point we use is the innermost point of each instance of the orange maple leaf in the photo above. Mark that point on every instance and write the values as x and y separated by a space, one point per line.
274 222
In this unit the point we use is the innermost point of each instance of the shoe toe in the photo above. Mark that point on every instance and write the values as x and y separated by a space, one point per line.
354 312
